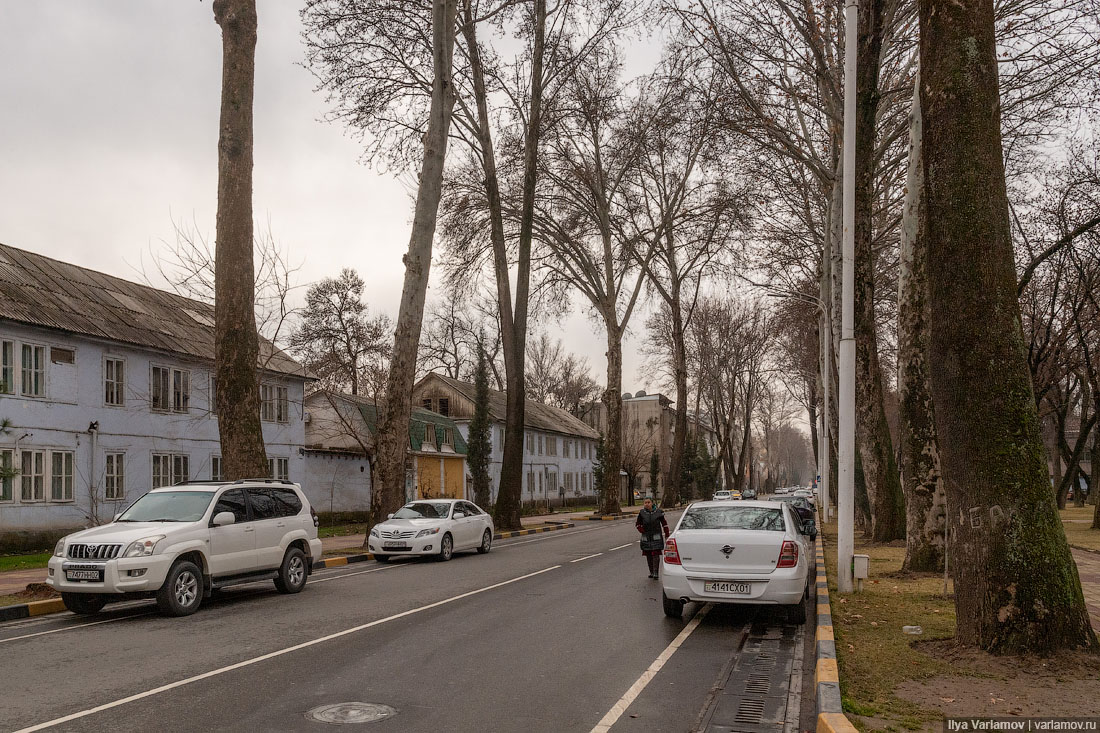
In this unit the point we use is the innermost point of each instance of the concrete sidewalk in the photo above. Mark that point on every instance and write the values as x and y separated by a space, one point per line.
13 581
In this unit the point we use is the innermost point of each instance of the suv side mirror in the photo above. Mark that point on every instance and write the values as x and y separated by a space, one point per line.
389 516
221 519
116 517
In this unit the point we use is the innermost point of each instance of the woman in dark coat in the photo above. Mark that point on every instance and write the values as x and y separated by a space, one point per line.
651 523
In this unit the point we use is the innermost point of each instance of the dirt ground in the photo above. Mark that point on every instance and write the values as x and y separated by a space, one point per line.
1064 685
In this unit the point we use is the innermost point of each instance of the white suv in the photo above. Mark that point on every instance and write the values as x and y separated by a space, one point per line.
180 543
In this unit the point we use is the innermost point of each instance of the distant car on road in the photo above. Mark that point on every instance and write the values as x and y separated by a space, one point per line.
748 494
722 495
751 552
180 543
432 527
807 494
803 507
782 490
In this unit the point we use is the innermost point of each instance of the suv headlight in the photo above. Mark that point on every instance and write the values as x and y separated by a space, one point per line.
143 547
59 549
426 532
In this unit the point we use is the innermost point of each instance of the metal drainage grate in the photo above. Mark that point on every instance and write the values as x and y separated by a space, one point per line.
764 661
758 684
351 712
750 712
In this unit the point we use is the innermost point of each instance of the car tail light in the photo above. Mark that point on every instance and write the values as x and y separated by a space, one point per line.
672 554
316 519
788 555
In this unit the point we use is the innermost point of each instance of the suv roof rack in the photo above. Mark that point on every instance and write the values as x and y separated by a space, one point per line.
192 483
261 481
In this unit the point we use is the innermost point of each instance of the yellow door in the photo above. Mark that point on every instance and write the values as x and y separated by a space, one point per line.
427 478
453 470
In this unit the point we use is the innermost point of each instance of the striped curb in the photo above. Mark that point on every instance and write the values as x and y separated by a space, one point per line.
31 608
335 562
830 708
522 532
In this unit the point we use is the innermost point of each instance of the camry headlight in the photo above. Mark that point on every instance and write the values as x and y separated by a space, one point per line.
426 532
374 532
143 547
59 550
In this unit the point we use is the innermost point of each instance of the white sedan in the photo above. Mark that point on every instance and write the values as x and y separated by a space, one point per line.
435 527
751 552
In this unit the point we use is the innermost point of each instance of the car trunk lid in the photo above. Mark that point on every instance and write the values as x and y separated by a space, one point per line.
729 551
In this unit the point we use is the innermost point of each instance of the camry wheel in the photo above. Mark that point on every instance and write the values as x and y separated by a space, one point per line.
446 548
292 573
486 542
84 604
181 593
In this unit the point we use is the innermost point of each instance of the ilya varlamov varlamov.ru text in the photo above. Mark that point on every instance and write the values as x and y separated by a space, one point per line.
966 725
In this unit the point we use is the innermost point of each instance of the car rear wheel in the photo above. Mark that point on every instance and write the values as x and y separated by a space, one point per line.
84 604
486 542
181 593
292 573
446 548
796 614
674 607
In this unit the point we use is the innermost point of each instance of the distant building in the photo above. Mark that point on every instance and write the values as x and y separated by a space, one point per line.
559 450
340 440
109 387
649 423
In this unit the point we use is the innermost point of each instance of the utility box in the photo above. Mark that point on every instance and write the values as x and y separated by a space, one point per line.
861 565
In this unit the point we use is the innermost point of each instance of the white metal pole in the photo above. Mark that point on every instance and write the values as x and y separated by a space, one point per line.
826 422
847 402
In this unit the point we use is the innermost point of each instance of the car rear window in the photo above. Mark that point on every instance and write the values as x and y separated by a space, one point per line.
733 517
287 502
263 506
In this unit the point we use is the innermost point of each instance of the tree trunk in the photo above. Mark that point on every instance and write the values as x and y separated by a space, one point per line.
393 427
872 430
613 400
1016 585
679 365
920 463
236 344
506 513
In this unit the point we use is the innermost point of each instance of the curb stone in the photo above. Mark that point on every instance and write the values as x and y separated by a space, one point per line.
31 608
830 709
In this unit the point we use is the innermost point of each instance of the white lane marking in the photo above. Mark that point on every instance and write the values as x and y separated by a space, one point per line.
628 544
272 655
624 702
348 575
551 536
586 557
74 626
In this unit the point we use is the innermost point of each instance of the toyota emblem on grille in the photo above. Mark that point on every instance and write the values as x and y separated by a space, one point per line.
90 549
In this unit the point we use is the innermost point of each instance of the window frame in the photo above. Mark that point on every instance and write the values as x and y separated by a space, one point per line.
167 388
65 476
173 461
273 465
114 475
32 476
216 475
7 483
114 384
35 349
7 367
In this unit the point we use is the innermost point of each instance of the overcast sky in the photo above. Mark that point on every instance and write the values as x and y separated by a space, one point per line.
108 132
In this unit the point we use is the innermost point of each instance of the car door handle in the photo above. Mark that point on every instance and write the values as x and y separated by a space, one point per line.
249 529
280 524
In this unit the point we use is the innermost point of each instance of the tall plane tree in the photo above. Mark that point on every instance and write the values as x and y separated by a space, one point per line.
1016 585
236 343
393 424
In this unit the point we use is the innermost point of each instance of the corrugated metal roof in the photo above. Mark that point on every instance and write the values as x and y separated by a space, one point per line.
535 414
40 291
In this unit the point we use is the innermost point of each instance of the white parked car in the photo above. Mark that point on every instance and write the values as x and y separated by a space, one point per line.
807 494
751 552
180 543
722 495
435 527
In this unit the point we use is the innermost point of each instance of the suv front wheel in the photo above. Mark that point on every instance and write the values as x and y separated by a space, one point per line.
181 593
292 573
84 604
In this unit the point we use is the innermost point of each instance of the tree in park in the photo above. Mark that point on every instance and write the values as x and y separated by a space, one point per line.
654 472
236 344
1016 585
479 443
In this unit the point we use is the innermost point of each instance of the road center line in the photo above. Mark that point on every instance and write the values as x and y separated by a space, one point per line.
586 557
624 702
628 544
551 536
278 653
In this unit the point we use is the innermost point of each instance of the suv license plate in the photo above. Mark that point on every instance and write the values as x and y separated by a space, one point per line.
737 589
96 575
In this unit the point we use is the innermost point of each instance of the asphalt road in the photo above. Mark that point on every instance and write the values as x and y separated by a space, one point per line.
552 632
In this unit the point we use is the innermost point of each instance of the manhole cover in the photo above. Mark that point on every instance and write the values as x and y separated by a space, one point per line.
351 712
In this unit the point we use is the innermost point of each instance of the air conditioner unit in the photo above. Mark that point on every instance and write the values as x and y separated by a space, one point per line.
306 418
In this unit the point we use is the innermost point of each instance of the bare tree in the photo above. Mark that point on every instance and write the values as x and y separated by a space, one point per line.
1016 585
557 377
454 327
236 345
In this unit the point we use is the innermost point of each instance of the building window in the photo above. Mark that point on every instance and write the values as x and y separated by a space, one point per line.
62 356
531 443
33 475
540 482
444 406
278 468
7 367
113 379
170 389
448 438
274 403
565 449
500 438
34 370
531 482
61 476
282 405
114 484
216 468
426 403
540 445
7 463
170 469
551 445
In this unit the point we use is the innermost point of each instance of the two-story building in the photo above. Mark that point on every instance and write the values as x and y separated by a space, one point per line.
340 443
108 388
559 450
